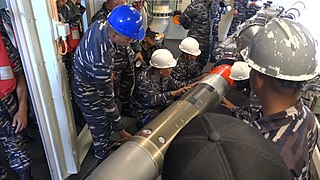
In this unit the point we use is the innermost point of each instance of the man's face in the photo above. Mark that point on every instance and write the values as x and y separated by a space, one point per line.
192 57
166 72
150 41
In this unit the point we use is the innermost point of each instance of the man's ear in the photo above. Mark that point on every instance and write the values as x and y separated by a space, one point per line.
161 71
113 35
260 80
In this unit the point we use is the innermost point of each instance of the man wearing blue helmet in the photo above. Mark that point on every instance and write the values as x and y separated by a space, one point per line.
123 61
92 84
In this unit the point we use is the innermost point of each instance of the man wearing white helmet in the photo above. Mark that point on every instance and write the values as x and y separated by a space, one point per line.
155 89
240 74
187 69
282 56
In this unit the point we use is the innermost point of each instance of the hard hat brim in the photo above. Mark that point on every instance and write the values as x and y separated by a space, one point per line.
197 53
265 70
171 65
141 35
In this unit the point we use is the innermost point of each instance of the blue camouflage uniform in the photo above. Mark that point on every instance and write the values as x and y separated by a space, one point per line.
239 18
201 18
294 133
13 144
251 112
186 72
244 12
250 10
93 87
123 65
152 95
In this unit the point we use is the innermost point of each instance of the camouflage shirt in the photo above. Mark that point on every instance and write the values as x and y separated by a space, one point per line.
186 72
93 66
250 10
294 133
251 112
239 18
152 95
200 18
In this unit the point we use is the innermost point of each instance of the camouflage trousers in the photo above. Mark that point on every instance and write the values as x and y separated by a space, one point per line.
100 128
203 58
13 144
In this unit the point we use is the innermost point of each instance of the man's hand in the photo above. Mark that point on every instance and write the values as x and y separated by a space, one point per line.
226 103
113 76
20 120
192 85
124 136
180 91
138 57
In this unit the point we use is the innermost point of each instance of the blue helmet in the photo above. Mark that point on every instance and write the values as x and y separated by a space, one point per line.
127 21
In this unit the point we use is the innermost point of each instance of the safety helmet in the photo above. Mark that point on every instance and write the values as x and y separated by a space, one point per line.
127 21
190 45
283 49
162 58
240 71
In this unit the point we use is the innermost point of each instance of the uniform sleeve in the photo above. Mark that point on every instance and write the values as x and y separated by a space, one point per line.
248 113
176 73
236 4
174 84
102 72
242 113
102 76
151 98
188 15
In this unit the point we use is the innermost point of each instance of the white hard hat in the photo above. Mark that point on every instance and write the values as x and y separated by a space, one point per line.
240 71
162 58
190 45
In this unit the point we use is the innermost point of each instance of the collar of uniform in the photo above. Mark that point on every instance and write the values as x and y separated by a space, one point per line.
106 34
277 120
